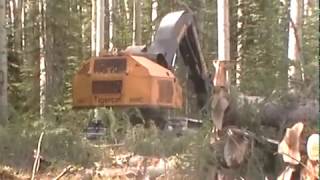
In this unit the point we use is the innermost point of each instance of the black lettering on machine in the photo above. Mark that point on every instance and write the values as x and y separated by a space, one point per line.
107 100
136 100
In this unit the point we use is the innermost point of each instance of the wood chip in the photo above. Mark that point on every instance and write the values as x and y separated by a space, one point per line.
289 147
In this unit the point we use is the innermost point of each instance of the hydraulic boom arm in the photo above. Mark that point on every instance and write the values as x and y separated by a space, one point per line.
177 31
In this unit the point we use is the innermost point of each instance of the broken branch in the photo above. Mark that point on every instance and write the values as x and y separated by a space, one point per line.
254 136
64 172
36 163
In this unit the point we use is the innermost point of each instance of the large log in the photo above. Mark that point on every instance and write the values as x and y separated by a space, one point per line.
273 113
279 115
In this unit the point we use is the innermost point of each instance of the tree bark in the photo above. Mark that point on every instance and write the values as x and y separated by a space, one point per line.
18 27
22 17
223 30
201 22
43 79
295 71
3 65
239 42
219 101
307 7
138 25
93 27
55 56
99 39
154 15
11 16
110 4
32 60
223 33
127 10
134 23
106 25
281 116
100 26
82 31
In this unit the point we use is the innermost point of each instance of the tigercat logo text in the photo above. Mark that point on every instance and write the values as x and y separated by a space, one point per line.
106 100
136 100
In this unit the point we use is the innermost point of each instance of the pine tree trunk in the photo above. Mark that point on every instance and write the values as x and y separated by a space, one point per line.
3 66
127 10
83 32
55 57
100 26
32 60
295 71
223 33
23 43
11 17
106 25
138 25
110 4
93 35
18 27
43 79
239 42
283 22
93 27
307 7
201 22
134 23
219 101
99 39
154 15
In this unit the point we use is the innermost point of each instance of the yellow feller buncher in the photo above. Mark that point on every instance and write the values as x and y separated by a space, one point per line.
146 77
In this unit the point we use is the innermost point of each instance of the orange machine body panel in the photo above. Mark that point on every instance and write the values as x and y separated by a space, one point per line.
125 81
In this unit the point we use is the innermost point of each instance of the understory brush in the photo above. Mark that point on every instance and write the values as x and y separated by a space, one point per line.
66 143
18 143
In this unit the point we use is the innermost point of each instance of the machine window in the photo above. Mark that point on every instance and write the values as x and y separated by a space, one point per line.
165 91
117 65
107 87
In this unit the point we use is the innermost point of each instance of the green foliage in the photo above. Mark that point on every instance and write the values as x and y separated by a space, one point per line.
70 147
263 37
151 141
58 145
263 69
264 47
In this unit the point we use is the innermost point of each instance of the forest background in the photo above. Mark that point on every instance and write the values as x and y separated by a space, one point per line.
46 41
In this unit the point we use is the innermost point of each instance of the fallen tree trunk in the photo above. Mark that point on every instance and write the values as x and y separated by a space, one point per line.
280 116
270 113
